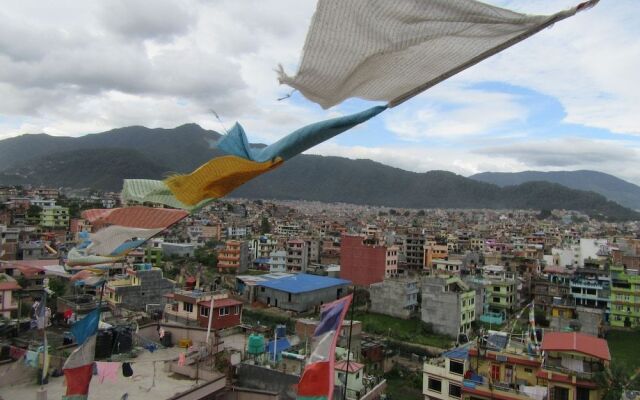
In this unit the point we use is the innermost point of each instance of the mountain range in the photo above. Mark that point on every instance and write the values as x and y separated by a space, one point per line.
616 189
103 160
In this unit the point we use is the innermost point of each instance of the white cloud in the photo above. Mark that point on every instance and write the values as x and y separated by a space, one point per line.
452 111
587 62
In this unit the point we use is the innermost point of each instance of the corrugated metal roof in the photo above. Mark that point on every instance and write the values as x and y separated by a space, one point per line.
578 342
301 283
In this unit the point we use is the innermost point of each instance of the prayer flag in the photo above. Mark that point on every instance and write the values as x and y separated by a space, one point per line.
317 379
394 50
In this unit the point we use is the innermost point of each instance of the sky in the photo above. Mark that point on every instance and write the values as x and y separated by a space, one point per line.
566 99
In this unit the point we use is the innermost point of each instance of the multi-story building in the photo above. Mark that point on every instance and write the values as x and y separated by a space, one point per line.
396 297
234 257
7 304
502 295
297 255
238 232
54 217
545 289
414 250
278 261
153 255
625 297
500 368
141 287
590 292
432 252
364 261
448 304
442 377
570 364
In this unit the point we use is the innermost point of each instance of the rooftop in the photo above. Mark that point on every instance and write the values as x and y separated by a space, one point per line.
577 342
353 366
302 283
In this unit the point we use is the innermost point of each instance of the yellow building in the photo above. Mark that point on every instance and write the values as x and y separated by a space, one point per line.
54 217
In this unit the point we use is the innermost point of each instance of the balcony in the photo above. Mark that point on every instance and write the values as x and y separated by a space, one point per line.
479 386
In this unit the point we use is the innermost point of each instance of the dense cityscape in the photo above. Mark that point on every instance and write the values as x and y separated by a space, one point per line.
482 304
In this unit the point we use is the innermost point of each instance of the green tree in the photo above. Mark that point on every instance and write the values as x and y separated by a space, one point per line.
265 226
58 286
615 379
206 257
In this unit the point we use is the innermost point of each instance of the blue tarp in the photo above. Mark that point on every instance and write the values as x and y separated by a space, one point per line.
282 345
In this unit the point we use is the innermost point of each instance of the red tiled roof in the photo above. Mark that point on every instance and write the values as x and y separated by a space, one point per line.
578 342
353 366
220 303
11 285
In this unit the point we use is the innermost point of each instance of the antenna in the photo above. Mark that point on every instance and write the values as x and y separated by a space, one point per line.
219 120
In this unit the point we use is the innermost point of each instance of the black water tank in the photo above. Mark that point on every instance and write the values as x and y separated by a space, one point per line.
104 343
166 340
122 339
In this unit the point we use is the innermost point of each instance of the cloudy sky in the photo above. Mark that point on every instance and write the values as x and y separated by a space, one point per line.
566 99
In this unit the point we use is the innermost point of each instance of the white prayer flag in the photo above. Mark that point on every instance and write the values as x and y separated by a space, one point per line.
394 50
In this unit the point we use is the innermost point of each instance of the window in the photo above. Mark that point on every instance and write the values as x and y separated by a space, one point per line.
455 390
262 288
528 370
188 307
496 299
495 372
560 393
237 310
223 311
456 367
435 385
289 297
204 311
582 394
496 288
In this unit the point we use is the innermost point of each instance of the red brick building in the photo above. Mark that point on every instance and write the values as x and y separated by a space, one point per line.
363 261
226 313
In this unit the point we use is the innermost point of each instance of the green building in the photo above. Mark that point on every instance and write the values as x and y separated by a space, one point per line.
54 217
153 256
625 298
501 295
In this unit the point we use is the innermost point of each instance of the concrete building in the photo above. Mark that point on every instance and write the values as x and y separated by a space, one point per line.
433 251
502 295
350 374
297 255
142 287
178 249
263 246
448 304
153 256
278 261
8 305
301 292
234 257
183 305
590 292
364 262
414 250
448 267
238 232
442 377
395 297
54 217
